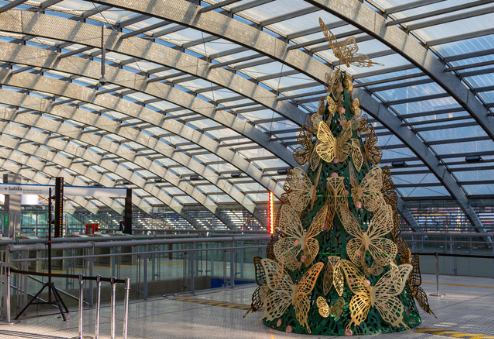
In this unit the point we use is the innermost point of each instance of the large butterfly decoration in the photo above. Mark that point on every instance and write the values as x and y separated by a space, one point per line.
261 292
306 151
368 192
372 241
298 189
415 283
296 240
346 50
382 296
283 292
331 148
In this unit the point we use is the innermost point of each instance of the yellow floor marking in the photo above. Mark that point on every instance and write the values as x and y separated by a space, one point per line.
453 334
211 302
458 285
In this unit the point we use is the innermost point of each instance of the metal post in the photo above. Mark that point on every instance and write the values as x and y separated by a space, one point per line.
192 267
126 308
7 296
113 306
436 256
145 280
98 306
81 305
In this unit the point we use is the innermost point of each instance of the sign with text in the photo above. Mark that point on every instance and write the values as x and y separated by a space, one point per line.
10 189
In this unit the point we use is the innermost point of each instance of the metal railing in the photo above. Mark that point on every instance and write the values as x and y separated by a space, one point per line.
8 271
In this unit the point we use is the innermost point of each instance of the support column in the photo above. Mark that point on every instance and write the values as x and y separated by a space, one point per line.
12 207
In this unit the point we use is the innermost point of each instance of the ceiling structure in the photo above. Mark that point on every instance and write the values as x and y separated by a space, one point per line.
198 104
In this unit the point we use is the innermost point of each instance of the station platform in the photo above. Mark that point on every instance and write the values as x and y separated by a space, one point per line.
465 310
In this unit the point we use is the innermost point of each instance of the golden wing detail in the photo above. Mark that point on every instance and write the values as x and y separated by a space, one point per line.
368 192
346 50
385 293
303 153
360 303
356 107
357 157
296 240
322 307
286 216
343 145
309 243
415 282
303 289
333 276
337 196
326 145
372 153
298 188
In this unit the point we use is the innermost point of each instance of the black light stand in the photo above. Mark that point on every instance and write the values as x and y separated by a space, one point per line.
57 300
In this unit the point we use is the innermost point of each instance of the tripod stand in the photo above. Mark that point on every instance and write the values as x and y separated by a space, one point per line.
49 285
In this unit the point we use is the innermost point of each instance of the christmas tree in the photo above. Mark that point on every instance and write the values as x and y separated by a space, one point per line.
336 264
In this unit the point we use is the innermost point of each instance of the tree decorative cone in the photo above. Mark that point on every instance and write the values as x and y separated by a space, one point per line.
336 264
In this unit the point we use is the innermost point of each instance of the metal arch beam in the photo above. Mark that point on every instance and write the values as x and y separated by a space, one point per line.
66 89
232 30
409 138
26 132
407 45
49 125
187 14
49 60
66 112
12 137
25 22
42 58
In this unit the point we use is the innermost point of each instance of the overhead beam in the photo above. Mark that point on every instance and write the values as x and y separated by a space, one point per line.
407 45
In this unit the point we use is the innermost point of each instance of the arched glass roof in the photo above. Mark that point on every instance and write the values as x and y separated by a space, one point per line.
199 103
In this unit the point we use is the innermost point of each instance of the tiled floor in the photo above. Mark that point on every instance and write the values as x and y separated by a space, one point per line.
466 308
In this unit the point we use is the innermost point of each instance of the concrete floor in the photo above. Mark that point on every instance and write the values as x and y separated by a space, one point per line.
465 311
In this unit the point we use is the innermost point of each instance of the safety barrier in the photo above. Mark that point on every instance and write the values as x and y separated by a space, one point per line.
7 271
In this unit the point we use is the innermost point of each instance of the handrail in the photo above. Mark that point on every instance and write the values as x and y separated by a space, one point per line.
110 242
455 255
70 276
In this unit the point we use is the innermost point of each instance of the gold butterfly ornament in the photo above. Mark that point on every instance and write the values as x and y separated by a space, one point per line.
368 192
383 295
372 240
296 240
331 148
283 292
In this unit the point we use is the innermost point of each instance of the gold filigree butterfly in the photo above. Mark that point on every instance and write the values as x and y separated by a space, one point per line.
382 296
306 152
331 148
283 292
415 283
296 240
298 189
372 240
368 192
346 50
